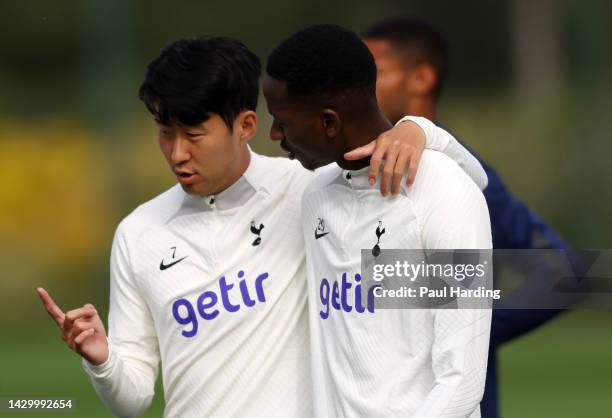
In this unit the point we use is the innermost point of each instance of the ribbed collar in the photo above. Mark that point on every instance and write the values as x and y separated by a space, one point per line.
251 182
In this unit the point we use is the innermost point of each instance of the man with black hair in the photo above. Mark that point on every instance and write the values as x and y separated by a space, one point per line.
412 59
208 277
320 88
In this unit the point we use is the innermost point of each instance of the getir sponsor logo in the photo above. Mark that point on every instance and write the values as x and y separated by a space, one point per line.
346 296
210 303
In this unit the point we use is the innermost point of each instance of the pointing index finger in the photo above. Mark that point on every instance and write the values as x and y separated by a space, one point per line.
53 310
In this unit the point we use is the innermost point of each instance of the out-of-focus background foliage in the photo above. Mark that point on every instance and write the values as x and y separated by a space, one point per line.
529 89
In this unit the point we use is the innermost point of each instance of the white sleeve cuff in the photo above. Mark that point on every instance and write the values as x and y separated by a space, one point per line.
102 370
437 139
432 140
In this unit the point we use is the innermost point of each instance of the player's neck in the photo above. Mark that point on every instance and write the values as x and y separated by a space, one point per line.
424 106
237 170
360 132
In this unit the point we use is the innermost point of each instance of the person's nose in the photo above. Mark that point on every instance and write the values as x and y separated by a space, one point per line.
180 150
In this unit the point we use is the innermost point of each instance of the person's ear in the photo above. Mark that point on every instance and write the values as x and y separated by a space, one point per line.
331 123
422 79
245 125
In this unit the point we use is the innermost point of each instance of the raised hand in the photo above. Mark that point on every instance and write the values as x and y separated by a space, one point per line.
81 329
400 148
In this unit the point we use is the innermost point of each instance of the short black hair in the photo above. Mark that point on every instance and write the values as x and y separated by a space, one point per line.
422 41
323 60
195 77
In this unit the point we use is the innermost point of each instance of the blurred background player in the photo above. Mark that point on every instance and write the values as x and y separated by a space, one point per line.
412 61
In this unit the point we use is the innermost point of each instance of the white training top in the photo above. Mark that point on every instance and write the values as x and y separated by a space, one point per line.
392 363
215 290
199 284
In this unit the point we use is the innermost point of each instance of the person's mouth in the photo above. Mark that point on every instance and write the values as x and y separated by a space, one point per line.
185 176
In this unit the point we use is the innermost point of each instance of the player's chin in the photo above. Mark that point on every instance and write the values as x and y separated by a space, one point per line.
307 164
196 189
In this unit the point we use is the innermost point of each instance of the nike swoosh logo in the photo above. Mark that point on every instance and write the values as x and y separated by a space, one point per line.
317 235
163 266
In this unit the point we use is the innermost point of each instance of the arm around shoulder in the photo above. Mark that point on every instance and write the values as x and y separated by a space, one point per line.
437 139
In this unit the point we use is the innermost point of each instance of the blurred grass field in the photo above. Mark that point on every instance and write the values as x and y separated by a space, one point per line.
561 370
42 366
